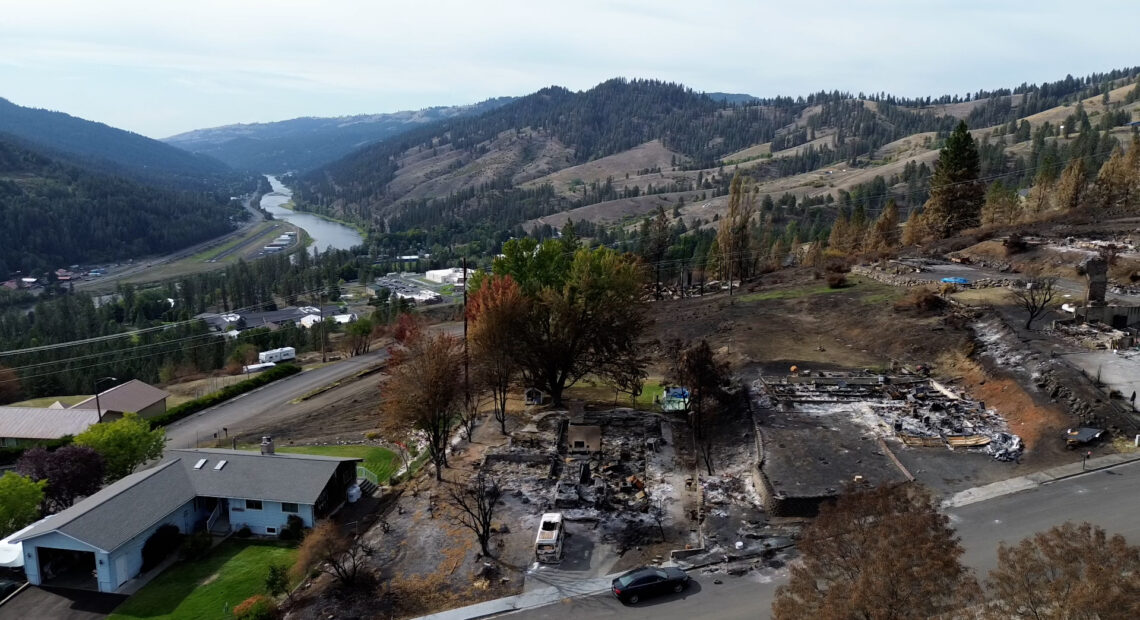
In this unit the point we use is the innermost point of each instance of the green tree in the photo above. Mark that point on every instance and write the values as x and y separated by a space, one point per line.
20 499
956 194
124 444
1002 206
585 317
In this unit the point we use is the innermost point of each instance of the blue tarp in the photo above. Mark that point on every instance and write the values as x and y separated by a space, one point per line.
677 392
955 280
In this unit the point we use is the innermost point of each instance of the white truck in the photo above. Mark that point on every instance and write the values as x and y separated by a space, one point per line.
277 355
548 543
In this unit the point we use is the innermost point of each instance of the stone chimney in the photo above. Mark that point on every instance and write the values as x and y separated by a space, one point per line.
267 444
1096 270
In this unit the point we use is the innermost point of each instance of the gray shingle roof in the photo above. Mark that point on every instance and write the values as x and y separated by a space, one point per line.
297 478
134 395
122 510
43 422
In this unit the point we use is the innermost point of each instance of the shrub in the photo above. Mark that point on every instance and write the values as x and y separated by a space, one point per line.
197 545
190 407
921 298
294 528
1015 244
160 545
244 532
256 607
836 280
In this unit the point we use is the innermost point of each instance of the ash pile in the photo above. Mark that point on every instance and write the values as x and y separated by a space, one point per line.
917 410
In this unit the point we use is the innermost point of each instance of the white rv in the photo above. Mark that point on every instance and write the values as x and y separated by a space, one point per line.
277 355
548 543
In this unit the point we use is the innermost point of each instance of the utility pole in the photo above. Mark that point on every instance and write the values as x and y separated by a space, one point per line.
466 359
321 307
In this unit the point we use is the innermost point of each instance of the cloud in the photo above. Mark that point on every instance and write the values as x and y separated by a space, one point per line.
159 68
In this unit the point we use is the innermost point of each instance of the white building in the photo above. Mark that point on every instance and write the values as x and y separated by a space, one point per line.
453 275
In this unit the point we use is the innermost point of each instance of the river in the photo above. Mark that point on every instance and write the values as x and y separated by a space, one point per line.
325 234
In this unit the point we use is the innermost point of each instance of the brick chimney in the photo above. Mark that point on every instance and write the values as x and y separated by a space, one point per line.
267 444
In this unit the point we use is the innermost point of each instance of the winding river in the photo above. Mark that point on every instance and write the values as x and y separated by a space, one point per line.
325 234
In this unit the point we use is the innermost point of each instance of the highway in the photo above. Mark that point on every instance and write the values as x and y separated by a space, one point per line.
1109 498
268 403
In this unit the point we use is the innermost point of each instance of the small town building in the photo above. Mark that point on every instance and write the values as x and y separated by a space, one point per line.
535 396
454 275
97 543
22 427
133 396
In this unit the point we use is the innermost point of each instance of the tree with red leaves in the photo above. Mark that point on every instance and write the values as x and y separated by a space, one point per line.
71 472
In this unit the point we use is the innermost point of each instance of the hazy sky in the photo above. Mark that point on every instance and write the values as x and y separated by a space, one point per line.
160 67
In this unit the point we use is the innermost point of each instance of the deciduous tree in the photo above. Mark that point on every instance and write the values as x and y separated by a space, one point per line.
1036 296
734 239
341 555
473 505
124 444
424 390
497 310
696 368
885 553
585 313
71 472
956 195
20 499
1068 572
10 390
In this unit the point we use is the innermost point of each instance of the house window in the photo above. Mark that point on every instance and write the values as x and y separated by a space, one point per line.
253 504
270 530
288 507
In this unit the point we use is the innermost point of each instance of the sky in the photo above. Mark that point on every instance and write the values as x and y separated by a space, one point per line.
164 67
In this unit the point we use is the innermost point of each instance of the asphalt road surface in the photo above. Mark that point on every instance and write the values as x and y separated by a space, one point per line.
1109 498
266 404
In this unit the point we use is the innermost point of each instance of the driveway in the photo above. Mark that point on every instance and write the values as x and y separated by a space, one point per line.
59 604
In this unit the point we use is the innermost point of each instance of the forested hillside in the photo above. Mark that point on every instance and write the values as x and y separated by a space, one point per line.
114 151
305 143
54 214
477 179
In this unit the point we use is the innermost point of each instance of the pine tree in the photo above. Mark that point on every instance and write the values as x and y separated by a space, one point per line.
884 235
956 195
1002 206
1073 186
915 229
1116 184
840 232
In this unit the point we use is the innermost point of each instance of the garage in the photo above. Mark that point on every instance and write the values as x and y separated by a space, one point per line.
67 568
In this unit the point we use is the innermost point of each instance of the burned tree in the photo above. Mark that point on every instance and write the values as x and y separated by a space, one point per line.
423 391
474 506
883 553
696 368
497 309
1038 293
1069 571
330 551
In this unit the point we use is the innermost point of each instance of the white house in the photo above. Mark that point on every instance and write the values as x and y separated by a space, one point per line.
97 543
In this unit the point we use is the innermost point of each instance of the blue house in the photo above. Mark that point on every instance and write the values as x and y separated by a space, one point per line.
97 543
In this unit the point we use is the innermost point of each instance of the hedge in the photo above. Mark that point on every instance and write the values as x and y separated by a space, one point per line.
9 456
191 407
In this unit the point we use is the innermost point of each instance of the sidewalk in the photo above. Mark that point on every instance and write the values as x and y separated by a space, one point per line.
527 600
1034 480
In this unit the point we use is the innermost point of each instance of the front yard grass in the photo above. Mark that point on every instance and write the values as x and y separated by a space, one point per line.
380 461
210 587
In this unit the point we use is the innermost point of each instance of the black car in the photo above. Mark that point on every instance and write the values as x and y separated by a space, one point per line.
7 586
642 583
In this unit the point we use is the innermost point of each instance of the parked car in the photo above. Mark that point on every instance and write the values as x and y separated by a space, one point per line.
648 581
7 587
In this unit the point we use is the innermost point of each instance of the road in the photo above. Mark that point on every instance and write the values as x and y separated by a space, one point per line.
266 404
1109 498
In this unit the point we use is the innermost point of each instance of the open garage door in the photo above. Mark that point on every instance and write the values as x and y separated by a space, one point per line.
67 568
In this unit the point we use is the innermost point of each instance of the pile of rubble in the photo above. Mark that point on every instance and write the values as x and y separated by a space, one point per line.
918 411
1095 336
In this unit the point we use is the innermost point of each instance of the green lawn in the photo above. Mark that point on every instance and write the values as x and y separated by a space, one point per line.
380 461
48 400
210 587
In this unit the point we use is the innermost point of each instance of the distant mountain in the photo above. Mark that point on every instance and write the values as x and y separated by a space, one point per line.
110 150
54 213
302 144
736 98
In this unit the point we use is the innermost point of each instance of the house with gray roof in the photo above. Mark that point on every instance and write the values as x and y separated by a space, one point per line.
21 427
133 396
97 543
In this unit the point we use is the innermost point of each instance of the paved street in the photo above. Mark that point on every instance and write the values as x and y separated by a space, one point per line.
263 405
1109 498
